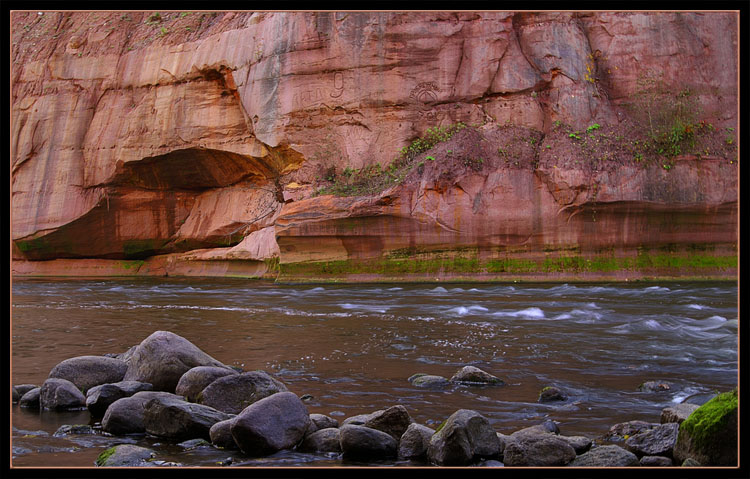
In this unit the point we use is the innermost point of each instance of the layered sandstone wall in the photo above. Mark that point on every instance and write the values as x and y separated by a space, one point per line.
195 138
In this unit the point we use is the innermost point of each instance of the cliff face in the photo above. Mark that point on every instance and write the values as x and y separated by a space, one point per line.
196 143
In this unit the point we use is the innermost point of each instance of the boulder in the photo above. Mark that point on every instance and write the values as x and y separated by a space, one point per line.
360 442
323 440
126 415
546 427
24 388
30 399
658 441
551 394
89 371
179 420
60 394
99 398
321 421
359 419
606 456
580 444
465 436
394 421
656 461
196 379
235 392
677 413
221 434
543 450
474 375
429 381
125 455
709 434
414 442
162 358
271 424
622 431
16 395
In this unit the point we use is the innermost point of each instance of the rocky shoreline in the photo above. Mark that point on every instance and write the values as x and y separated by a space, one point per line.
168 388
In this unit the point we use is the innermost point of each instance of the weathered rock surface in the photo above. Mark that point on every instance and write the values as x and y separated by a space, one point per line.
606 456
659 441
415 441
125 455
126 415
254 106
60 394
465 436
177 420
196 379
360 442
99 398
394 421
618 432
322 440
162 358
234 392
271 424
89 371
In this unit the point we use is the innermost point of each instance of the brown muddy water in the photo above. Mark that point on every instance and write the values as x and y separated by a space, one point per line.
352 347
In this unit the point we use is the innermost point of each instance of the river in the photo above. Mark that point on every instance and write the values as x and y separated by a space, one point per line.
352 347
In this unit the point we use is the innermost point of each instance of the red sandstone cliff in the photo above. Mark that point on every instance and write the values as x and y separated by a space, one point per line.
198 140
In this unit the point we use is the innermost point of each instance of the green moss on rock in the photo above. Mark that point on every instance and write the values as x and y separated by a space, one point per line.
709 434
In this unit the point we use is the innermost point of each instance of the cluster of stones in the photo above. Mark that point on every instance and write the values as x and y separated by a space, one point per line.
167 387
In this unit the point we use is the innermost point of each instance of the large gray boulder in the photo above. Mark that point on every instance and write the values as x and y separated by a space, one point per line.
360 442
271 424
60 394
709 434
196 379
465 436
179 420
606 456
99 398
234 392
415 441
394 421
162 358
659 441
89 371
323 440
474 375
126 415
125 455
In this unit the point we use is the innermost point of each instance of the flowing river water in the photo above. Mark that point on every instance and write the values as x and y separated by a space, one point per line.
353 347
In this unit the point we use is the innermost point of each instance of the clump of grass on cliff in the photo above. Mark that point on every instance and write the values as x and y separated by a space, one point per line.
374 179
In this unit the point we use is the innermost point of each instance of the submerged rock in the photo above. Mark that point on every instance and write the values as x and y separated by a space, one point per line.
125 455
74 429
474 375
178 420
271 424
360 442
162 358
606 456
429 381
552 393
60 394
235 392
709 434
655 386
197 379
465 436
89 371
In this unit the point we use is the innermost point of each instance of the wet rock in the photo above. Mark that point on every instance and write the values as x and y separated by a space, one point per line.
126 415
656 461
623 430
360 442
359 419
125 455
474 375
235 392
271 424
30 399
429 381
24 388
606 456
162 358
394 421
99 398
221 434
551 394
196 379
709 434
677 413
16 395
320 421
178 420
194 444
580 444
465 436
414 442
543 450
74 429
323 440
89 371
655 386
658 441
60 394
699 399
